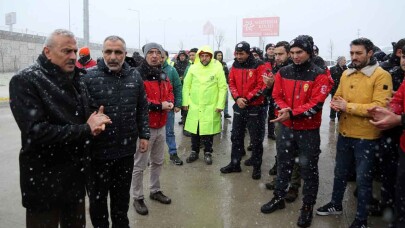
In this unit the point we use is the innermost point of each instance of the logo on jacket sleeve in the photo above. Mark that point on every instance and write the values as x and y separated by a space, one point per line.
323 89
130 85
306 86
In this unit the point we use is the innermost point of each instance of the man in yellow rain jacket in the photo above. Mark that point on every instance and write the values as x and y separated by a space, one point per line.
204 91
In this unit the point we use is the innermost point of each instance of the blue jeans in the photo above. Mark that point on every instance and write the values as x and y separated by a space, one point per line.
170 137
362 151
226 103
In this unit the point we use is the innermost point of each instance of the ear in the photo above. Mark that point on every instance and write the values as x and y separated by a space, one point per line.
398 52
47 52
370 53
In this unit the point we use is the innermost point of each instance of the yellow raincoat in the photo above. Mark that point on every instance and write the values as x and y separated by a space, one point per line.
204 91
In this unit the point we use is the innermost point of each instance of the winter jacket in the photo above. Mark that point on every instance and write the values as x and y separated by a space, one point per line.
181 66
204 91
336 72
175 82
397 75
158 89
397 105
362 89
224 66
123 96
303 88
49 107
89 64
392 62
246 81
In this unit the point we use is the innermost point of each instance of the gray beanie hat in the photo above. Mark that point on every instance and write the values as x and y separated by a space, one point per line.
146 48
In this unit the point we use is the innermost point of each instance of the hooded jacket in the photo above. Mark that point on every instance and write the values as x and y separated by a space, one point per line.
158 89
50 108
175 82
245 80
362 89
181 66
123 96
204 91
303 88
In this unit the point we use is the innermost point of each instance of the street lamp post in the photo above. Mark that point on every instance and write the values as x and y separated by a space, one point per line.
139 27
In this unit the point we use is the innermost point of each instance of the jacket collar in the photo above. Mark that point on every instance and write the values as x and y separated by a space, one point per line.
367 70
55 70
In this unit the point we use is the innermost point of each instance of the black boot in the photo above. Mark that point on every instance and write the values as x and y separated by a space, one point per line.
257 173
275 204
231 168
273 170
305 218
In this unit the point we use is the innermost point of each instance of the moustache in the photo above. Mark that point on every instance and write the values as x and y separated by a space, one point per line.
71 62
112 62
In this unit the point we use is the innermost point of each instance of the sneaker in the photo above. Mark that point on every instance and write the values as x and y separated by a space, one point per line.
208 158
140 207
158 196
271 185
358 224
248 162
276 203
175 159
329 209
193 156
305 218
231 168
227 116
292 195
257 173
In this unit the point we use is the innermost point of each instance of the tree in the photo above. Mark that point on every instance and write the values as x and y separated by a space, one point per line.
219 38
181 45
331 46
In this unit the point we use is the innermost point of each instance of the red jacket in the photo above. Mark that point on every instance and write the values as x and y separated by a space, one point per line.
398 106
245 80
303 88
91 63
158 89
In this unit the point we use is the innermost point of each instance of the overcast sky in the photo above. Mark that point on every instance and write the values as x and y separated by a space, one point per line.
171 22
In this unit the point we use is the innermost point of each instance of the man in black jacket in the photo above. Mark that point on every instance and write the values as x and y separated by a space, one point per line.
49 107
119 88
336 72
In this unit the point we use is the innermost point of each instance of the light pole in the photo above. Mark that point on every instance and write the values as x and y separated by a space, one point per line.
139 27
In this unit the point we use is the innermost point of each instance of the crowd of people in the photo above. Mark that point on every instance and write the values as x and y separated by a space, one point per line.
94 126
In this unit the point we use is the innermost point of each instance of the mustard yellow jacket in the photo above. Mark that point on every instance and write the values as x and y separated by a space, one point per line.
362 89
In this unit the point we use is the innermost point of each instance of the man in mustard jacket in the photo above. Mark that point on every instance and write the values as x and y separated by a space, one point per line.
204 91
363 86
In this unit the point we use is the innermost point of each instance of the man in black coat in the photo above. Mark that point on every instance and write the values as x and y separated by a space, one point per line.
336 72
49 106
119 88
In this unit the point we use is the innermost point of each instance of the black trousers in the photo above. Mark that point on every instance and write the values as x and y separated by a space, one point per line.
67 216
307 145
114 177
254 118
197 139
271 116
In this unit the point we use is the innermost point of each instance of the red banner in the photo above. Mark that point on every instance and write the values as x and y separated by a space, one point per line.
257 27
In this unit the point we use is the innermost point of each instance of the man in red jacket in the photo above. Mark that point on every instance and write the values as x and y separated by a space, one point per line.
85 60
385 119
299 92
246 86
159 94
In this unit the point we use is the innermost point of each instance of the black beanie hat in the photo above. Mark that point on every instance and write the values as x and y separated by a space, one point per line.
304 43
269 45
243 46
193 50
